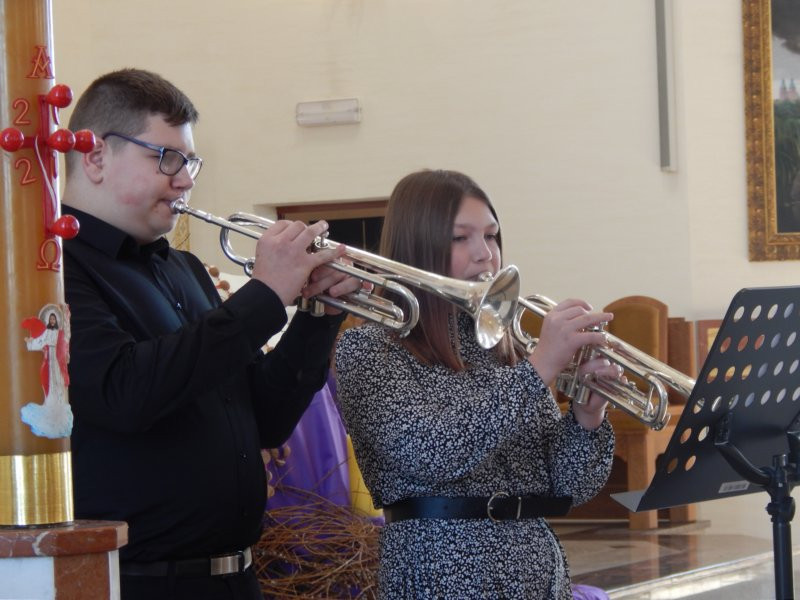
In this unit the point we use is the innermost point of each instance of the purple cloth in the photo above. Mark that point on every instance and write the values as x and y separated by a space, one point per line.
318 455
587 592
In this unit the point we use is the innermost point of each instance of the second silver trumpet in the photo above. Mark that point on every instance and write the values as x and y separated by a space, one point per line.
649 406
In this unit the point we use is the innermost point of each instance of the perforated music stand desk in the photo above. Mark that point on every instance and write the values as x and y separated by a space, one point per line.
739 424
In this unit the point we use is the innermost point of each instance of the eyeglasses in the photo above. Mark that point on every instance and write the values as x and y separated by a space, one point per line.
170 161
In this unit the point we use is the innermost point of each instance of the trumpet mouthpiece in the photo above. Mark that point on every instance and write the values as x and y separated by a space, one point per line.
178 206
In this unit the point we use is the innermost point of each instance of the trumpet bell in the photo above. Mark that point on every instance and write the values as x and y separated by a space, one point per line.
497 307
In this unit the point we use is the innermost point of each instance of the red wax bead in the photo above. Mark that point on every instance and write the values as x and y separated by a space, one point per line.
66 226
84 141
11 139
59 96
62 140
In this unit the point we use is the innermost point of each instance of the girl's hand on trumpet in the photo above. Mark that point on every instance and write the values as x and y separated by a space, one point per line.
590 415
564 332
283 261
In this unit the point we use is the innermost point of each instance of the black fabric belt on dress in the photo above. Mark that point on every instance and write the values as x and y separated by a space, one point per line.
223 564
499 507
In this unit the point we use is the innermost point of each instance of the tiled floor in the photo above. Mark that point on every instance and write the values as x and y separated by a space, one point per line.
690 561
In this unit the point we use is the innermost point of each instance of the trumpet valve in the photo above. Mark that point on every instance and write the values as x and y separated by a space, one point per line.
317 308
310 305
320 243
582 396
567 382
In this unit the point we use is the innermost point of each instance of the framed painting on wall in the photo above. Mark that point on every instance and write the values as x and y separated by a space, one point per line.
772 127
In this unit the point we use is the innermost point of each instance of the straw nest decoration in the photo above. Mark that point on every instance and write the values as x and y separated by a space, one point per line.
316 549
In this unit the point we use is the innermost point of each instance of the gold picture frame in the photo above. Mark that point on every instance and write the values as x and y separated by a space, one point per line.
768 236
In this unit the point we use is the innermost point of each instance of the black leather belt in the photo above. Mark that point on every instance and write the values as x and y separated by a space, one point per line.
223 564
499 507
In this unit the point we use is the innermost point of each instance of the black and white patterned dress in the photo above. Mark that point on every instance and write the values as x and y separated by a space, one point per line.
427 431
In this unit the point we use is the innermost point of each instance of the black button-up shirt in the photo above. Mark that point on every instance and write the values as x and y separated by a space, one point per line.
172 396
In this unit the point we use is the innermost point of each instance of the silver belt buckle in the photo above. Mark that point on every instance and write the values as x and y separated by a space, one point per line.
502 495
237 562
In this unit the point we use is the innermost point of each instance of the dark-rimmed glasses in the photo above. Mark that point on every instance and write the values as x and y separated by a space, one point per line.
170 161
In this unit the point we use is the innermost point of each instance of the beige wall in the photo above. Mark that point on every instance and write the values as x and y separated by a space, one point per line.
551 106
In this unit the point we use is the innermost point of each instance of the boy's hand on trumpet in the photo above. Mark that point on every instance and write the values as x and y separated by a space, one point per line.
283 261
328 281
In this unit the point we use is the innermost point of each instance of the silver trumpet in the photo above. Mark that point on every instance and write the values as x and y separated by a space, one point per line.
492 302
649 406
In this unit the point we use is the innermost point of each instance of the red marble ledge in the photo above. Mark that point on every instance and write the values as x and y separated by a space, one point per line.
77 538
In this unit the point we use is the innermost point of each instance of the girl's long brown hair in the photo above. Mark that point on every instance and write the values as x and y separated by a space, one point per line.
418 231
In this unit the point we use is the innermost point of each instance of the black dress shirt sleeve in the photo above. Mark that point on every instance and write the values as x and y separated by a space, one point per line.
296 368
126 384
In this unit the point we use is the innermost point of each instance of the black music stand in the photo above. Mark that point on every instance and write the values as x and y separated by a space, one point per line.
742 414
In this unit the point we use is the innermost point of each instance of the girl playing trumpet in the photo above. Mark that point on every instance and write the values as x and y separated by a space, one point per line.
465 449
